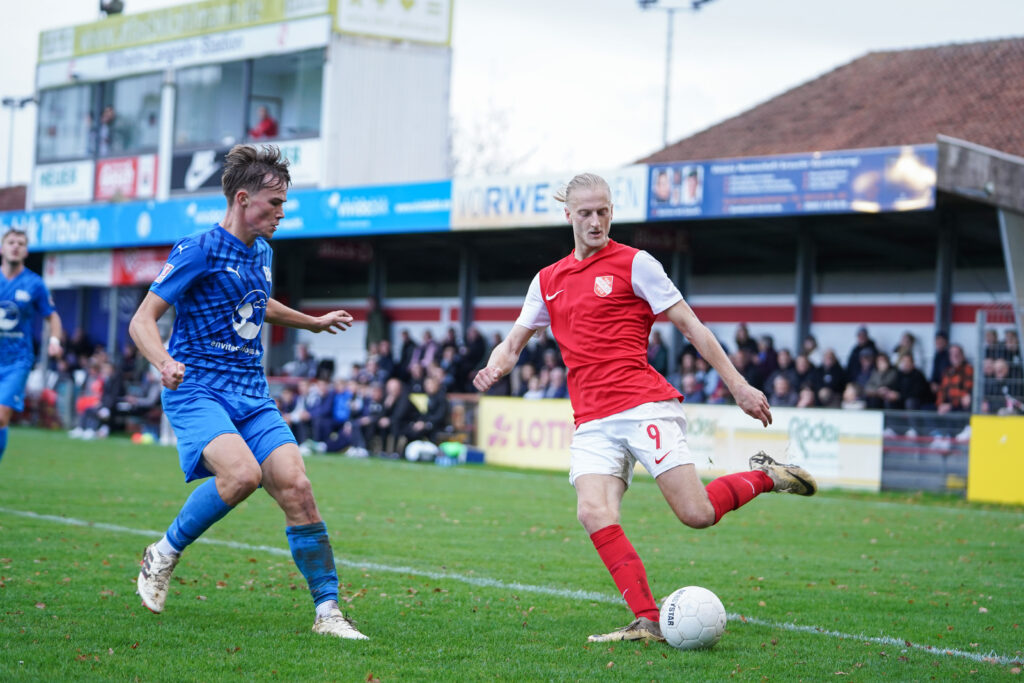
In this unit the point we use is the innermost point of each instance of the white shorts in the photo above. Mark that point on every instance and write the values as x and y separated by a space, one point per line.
653 434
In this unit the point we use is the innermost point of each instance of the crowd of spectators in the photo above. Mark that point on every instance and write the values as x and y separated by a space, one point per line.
871 378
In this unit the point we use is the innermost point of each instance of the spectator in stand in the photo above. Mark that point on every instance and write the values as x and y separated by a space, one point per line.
710 382
432 425
785 367
954 394
657 353
342 434
691 389
449 362
852 398
266 126
397 415
863 370
556 387
811 350
940 360
807 397
743 360
140 400
385 357
806 374
472 354
298 418
993 348
1011 351
1000 390
370 413
782 394
131 367
373 372
883 377
863 342
908 344
94 407
79 350
303 365
534 388
833 380
320 409
405 354
451 340
428 351
522 374
909 390
767 358
745 341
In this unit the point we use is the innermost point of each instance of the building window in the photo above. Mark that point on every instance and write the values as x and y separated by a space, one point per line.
130 117
286 95
65 119
210 106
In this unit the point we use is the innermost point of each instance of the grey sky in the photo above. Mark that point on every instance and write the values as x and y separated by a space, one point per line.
578 83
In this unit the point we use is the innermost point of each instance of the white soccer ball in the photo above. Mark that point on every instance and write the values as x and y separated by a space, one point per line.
692 618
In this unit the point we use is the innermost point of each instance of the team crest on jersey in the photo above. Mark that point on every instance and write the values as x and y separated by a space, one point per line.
603 285
22 295
168 267
9 315
266 273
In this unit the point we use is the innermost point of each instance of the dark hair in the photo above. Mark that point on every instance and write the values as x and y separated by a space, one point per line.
251 168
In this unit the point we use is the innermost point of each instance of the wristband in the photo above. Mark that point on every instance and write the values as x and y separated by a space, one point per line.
55 340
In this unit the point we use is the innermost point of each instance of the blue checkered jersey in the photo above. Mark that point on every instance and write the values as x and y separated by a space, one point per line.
219 289
22 298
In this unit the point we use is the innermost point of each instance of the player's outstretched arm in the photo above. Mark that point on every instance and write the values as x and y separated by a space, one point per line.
146 335
332 322
503 358
750 400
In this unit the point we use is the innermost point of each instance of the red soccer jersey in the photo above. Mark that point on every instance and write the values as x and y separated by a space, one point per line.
602 327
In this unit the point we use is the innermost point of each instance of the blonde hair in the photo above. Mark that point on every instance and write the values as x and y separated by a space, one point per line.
583 181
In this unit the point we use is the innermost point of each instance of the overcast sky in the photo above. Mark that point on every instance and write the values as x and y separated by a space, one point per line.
578 84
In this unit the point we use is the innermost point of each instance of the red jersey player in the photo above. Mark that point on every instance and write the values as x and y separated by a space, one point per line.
600 302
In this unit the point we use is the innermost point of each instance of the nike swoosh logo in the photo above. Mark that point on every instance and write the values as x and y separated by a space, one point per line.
657 461
552 296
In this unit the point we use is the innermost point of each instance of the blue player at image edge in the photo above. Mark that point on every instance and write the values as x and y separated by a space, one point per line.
23 299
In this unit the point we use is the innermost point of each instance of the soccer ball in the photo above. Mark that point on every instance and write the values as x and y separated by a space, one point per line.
692 618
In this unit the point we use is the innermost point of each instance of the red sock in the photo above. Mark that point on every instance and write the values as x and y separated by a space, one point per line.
627 570
733 491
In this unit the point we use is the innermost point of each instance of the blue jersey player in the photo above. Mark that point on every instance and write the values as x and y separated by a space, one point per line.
23 298
215 392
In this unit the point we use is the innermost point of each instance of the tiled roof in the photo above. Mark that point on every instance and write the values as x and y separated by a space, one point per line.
972 91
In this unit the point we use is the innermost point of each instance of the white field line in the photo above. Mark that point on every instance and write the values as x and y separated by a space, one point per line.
485 582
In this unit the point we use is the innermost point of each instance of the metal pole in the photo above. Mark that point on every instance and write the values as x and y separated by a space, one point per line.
668 76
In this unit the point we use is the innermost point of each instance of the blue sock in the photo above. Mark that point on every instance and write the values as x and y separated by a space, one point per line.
202 509
311 550
3 441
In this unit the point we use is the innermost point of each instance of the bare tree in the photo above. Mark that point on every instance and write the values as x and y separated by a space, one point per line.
481 147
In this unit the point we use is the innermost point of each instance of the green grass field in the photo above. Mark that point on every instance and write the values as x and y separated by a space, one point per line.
473 573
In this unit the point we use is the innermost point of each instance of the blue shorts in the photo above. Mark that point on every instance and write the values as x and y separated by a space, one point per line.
12 386
199 415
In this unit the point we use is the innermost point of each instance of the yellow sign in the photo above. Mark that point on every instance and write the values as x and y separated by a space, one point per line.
995 467
533 434
121 31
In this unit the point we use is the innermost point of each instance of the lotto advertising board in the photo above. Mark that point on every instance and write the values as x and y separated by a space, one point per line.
843 449
853 181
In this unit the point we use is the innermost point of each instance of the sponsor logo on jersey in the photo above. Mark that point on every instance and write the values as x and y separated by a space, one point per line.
247 318
549 297
266 273
9 315
22 295
164 272
603 285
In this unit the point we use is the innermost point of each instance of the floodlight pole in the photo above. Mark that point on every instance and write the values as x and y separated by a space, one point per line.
668 77
694 5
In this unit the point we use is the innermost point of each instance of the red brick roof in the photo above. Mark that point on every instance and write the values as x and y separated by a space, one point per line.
972 91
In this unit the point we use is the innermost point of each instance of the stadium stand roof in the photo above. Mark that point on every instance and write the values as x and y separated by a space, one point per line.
970 91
